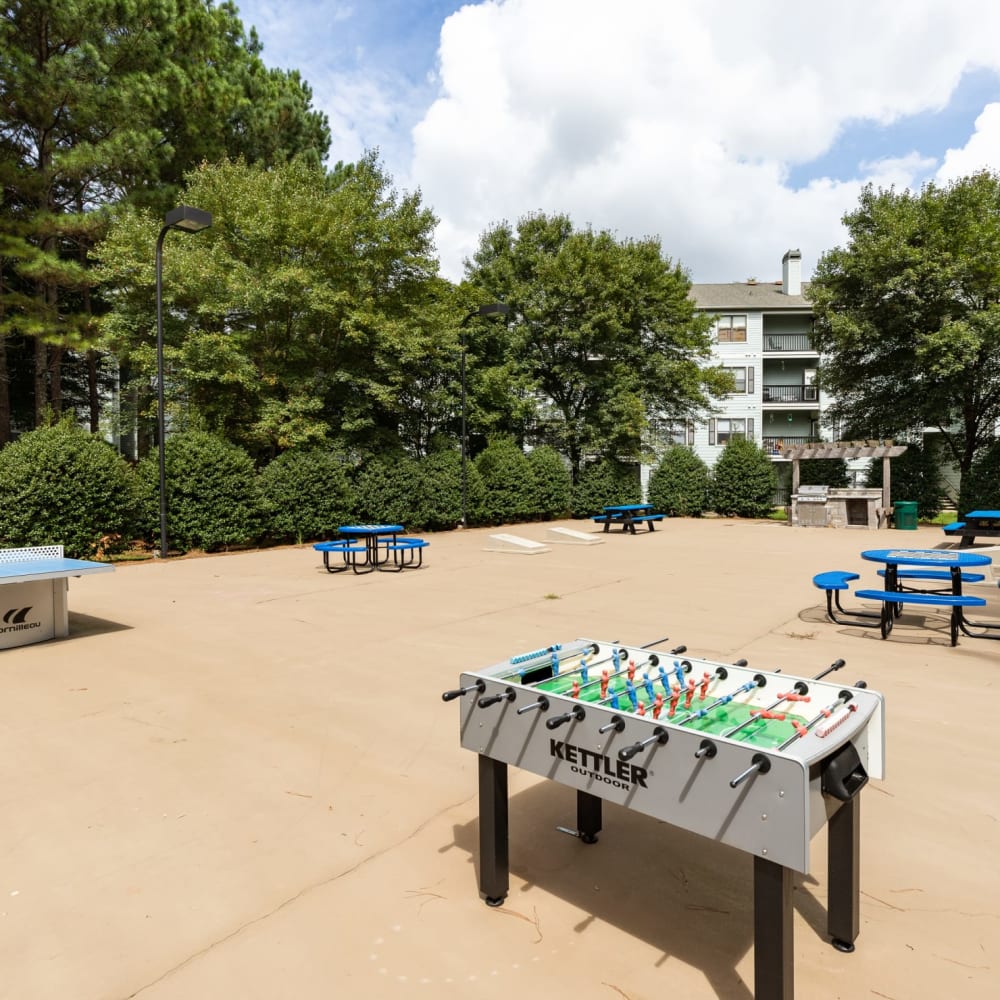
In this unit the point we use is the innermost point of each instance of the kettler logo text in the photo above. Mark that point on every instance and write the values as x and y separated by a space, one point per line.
619 773
14 621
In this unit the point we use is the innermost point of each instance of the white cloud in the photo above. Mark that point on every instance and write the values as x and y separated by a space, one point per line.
981 152
682 119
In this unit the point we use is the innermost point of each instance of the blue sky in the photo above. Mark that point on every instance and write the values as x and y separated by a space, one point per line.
731 132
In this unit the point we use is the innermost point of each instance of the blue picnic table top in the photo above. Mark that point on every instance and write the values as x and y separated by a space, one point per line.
625 507
370 529
946 558
983 515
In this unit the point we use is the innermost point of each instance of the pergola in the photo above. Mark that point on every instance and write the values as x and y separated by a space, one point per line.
885 450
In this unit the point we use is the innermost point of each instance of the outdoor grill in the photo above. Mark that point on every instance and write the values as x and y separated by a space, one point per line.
809 506
822 507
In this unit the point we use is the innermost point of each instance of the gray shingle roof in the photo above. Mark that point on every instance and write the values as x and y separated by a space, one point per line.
748 296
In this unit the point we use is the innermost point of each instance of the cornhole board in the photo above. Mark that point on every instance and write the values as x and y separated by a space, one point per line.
517 545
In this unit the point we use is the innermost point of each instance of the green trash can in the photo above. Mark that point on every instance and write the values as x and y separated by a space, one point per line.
906 515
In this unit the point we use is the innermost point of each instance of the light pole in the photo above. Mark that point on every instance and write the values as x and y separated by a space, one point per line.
188 220
491 309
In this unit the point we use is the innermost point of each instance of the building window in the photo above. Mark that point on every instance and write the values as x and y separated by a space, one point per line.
720 431
731 329
742 381
673 432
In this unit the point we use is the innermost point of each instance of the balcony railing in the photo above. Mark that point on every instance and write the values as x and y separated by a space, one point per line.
791 394
778 342
776 445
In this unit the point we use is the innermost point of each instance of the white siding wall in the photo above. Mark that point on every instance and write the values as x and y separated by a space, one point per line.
738 406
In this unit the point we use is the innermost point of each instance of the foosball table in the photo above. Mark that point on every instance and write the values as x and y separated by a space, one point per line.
756 759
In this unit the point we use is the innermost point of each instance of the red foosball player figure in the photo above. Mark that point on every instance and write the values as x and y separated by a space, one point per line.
675 694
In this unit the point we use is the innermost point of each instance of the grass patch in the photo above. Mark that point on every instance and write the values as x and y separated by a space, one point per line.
945 517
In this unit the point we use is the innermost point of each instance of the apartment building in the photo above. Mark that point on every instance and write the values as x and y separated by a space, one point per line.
763 334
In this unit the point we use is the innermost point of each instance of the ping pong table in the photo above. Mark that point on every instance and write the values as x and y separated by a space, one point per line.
34 605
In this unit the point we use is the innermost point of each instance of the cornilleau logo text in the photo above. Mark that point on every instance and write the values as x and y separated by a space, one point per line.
619 773
14 621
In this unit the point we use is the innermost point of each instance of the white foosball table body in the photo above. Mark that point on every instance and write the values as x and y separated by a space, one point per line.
773 813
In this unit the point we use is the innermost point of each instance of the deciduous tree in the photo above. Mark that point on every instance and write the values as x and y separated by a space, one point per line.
602 336
908 314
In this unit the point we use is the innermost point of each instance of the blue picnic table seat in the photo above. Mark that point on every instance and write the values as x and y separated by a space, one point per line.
407 553
892 599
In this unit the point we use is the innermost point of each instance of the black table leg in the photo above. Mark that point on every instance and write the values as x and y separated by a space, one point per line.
494 861
588 816
774 967
843 874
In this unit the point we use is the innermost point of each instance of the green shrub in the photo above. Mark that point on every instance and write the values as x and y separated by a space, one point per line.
830 472
679 485
980 485
743 480
305 495
508 483
553 482
212 496
61 485
389 491
914 475
603 483
441 490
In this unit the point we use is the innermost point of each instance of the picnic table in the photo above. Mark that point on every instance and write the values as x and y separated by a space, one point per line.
367 547
922 585
984 523
628 515
36 593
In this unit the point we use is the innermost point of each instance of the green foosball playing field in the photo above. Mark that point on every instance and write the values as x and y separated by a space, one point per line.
766 733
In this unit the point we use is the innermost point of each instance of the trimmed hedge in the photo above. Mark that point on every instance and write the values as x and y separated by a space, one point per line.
305 495
389 490
603 483
914 475
679 486
509 492
61 485
553 482
980 485
212 497
830 472
743 480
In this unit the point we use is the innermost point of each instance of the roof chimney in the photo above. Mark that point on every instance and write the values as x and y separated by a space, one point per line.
791 273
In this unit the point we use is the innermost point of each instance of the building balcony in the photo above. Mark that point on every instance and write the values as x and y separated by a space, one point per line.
775 446
782 395
789 343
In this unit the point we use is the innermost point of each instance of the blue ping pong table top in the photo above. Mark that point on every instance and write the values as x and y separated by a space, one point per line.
27 569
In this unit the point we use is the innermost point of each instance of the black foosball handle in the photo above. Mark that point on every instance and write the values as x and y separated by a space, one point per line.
836 665
479 686
660 735
508 695
558 720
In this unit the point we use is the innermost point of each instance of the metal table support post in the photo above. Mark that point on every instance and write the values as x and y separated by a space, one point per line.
494 859
588 816
774 967
844 874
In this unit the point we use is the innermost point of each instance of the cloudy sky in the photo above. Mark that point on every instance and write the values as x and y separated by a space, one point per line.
733 131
